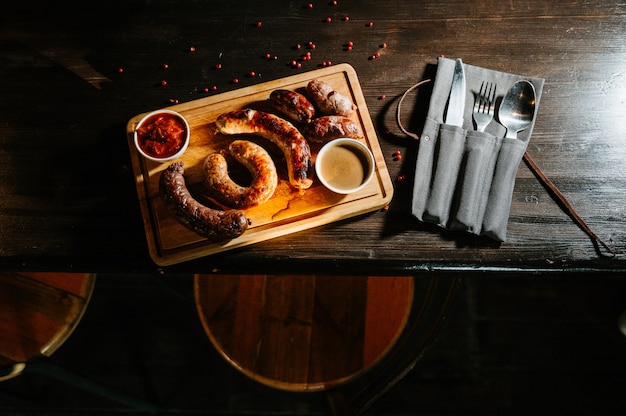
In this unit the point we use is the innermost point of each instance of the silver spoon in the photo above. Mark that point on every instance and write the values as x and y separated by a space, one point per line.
518 108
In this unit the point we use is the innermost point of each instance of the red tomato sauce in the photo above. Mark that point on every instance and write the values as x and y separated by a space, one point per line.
161 135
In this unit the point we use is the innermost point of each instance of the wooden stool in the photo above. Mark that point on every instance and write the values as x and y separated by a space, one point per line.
352 336
38 313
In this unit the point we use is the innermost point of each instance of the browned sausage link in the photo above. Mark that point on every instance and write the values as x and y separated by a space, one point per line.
254 158
329 101
212 224
279 131
327 128
292 104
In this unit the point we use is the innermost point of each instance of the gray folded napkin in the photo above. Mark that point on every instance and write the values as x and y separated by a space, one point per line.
464 179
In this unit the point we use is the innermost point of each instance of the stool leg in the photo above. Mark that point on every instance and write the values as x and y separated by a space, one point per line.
52 370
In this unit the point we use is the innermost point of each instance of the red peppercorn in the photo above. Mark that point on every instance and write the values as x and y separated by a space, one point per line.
165 66
214 88
218 66
386 208
235 80
259 24
120 70
401 178
370 24
382 96
192 49
346 18
173 101
252 74
328 19
298 46
350 44
377 54
383 45
333 3
310 5
163 83
268 56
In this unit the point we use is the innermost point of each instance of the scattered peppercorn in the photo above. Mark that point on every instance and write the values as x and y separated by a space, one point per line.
328 19
192 49
382 96
235 80
218 66
383 45
346 18
310 5
163 83
165 66
259 24
401 178
370 24
252 74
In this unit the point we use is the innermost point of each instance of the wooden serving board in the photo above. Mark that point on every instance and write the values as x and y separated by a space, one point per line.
289 210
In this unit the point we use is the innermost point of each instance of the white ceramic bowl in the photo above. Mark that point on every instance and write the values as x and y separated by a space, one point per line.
344 165
162 135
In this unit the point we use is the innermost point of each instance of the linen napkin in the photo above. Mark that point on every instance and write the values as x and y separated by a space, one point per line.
464 179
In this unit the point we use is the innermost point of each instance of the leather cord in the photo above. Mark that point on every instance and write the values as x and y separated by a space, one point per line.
546 182
565 205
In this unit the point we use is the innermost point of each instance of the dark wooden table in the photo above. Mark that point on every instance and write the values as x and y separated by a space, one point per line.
70 79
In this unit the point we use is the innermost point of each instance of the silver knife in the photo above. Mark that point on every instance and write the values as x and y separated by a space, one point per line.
456 103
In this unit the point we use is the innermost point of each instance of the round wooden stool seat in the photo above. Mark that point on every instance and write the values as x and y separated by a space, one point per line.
38 312
303 333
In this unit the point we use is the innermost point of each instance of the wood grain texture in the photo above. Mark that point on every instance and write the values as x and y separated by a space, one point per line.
70 89
303 333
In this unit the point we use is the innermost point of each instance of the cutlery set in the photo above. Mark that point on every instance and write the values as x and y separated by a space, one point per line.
515 113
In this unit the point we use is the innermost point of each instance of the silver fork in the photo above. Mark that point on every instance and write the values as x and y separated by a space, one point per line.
484 105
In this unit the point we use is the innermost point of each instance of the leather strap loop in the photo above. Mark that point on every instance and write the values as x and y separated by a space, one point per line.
399 110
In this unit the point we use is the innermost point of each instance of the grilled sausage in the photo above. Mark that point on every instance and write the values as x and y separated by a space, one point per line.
327 128
215 225
254 158
329 101
293 105
278 130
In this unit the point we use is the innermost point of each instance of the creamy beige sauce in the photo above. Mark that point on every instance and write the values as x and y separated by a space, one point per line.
344 167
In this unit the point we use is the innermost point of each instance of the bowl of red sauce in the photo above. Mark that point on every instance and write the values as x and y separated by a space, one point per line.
162 135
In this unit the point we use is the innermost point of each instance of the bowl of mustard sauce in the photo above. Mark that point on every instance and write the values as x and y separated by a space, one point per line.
344 165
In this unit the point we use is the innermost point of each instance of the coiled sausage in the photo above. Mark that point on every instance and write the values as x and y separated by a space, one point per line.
254 158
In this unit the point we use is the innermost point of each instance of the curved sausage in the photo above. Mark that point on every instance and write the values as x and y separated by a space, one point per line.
327 128
254 158
292 104
329 101
278 130
212 224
